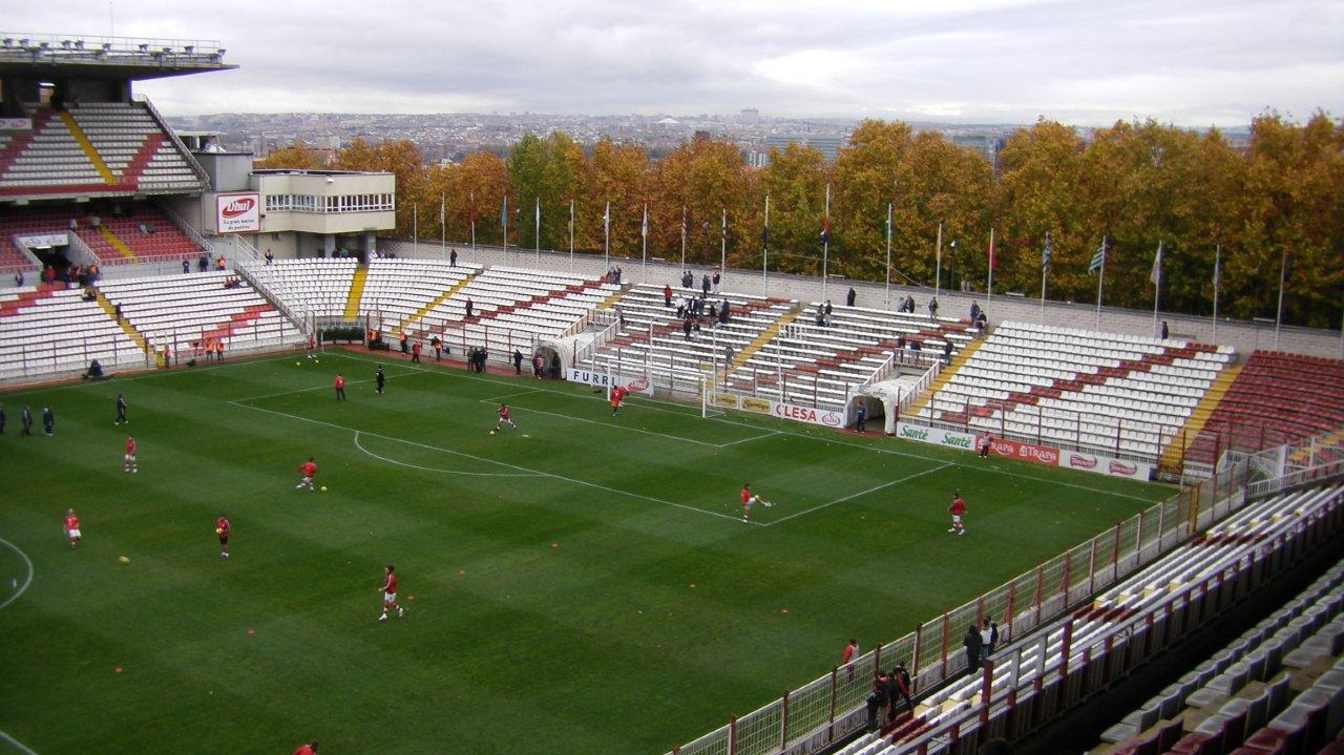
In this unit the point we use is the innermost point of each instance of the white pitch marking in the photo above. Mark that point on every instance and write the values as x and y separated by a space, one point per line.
361 447
852 496
21 747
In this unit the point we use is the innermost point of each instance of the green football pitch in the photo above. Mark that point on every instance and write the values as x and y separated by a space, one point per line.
584 584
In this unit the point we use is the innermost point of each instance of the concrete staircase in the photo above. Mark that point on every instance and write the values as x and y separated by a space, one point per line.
356 293
90 152
127 328
1173 453
943 377
115 242
434 303
237 321
761 340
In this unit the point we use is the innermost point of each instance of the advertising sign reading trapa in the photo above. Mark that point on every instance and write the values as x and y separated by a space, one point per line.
1044 455
238 213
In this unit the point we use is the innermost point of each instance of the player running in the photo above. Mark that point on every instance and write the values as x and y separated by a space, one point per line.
340 387
222 528
72 533
957 509
309 470
390 593
748 499
128 459
617 396
504 419
121 410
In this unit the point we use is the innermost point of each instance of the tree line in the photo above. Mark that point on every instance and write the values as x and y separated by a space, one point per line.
1136 184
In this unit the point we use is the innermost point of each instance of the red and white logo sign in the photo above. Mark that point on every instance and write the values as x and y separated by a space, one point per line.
1081 461
808 414
238 213
1043 455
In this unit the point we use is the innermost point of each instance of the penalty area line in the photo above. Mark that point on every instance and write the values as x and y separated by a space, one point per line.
361 447
28 580
861 493
506 465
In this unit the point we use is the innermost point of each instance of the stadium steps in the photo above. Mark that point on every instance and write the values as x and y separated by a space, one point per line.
356 293
126 326
28 299
1173 453
611 301
22 139
942 378
137 165
434 303
116 242
82 140
765 337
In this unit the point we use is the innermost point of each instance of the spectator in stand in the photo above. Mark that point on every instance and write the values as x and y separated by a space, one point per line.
517 361
717 280
452 258
723 313
117 312
989 636
686 327
219 262
829 310
1166 332
879 698
186 267
910 303
975 312
667 296
947 352
18 278
973 645
933 307
713 312
270 258
851 297
203 262
901 679
704 284
471 305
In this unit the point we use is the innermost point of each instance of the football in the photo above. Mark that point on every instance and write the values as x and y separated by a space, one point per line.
123 559
324 488
219 530
492 432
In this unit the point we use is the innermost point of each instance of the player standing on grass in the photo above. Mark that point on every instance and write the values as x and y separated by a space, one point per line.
340 387
617 396
957 509
504 419
748 498
309 470
72 533
222 528
128 460
307 748
390 593
121 409
379 379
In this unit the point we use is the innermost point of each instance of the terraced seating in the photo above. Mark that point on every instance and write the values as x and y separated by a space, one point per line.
186 310
140 233
397 289
1277 398
316 286
134 147
50 330
1123 395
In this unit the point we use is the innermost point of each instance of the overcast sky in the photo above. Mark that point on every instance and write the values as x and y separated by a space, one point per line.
1189 62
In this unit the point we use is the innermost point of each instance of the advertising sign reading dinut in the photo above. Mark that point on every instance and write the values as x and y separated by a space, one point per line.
1134 470
238 213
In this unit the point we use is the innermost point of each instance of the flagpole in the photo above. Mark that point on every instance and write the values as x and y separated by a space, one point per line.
571 234
765 251
606 237
887 295
990 293
1278 313
644 243
1217 262
472 196
938 264
1046 260
504 221
443 226
415 228
723 242
537 231
826 243
683 237
1157 284
1101 278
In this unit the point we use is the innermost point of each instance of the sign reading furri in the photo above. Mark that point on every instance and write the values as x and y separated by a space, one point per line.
238 213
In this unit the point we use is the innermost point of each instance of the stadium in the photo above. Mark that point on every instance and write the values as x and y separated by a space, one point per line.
632 508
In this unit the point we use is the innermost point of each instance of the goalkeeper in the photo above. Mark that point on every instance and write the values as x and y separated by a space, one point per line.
748 499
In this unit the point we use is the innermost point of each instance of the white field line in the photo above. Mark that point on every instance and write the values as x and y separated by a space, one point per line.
473 457
770 434
852 496
682 410
559 415
28 580
361 447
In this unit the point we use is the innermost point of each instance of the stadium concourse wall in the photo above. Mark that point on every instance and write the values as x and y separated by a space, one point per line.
1244 336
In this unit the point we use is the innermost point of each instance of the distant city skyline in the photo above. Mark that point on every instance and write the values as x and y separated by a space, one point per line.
1196 63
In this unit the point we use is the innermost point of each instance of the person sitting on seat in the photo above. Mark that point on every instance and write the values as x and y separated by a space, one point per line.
95 371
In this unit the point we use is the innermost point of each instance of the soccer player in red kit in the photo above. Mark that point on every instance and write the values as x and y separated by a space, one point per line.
222 528
308 748
617 395
749 498
340 388
504 418
390 593
957 509
72 527
128 461
309 470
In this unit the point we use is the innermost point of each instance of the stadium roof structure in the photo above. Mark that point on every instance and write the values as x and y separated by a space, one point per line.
101 57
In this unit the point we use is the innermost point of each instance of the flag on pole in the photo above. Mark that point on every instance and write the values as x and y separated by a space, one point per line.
825 229
993 261
442 208
644 227
1098 259
504 212
1047 253
723 224
1156 275
606 218
538 212
1217 265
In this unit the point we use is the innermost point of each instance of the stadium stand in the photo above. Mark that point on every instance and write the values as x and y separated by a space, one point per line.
50 329
134 232
1128 623
188 310
1124 395
833 359
399 292
46 159
1276 398
134 147
651 334
311 286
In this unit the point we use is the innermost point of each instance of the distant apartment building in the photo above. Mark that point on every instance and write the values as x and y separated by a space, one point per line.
828 146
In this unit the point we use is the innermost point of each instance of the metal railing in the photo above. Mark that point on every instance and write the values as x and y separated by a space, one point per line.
1023 604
